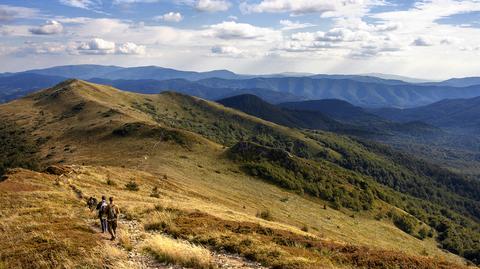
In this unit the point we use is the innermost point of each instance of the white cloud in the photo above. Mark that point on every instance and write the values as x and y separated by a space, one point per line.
98 46
294 6
130 48
212 5
327 8
422 42
170 17
84 4
8 13
227 51
291 25
41 48
51 27
235 30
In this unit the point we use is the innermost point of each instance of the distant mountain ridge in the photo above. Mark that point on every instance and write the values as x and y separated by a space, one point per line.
255 106
457 114
457 82
359 90
355 92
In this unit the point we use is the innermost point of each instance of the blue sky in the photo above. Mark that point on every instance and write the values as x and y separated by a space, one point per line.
429 39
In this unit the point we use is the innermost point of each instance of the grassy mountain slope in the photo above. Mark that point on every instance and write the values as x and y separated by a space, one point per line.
196 144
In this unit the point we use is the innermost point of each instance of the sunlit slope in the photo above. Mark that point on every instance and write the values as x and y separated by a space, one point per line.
189 140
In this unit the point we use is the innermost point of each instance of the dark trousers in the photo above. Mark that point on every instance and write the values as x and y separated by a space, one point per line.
112 228
103 224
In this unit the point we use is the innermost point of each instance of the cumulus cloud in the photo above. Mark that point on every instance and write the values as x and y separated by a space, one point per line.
333 35
170 17
291 25
422 42
8 13
98 46
351 43
212 5
51 27
130 48
234 30
227 51
376 47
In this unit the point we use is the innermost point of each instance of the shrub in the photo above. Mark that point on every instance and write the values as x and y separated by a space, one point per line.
110 182
404 223
266 215
155 192
132 186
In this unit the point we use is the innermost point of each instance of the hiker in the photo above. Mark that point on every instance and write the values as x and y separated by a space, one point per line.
102 213
91 203
112 212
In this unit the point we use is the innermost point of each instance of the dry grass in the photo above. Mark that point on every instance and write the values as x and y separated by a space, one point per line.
124 239
43 227
183 253
192 184
115 258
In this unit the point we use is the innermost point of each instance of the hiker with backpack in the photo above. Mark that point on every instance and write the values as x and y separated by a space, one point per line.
91 203
112 216
102 213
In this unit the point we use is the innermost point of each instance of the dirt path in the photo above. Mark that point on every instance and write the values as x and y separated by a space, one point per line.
139 259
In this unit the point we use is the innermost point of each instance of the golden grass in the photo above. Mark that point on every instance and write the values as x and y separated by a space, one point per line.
172 251
41 225
124 239
204 180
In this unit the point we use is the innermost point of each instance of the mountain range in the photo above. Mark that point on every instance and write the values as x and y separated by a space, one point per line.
456 114
360 90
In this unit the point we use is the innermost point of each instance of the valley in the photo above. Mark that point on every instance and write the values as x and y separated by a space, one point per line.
228 181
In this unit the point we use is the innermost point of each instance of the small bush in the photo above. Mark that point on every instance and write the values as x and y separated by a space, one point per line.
305 228
132 186
404 223
110 182
155 192
266 215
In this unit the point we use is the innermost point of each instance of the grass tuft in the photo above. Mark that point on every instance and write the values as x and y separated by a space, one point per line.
183 253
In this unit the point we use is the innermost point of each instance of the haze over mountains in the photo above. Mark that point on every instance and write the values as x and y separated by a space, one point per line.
365 91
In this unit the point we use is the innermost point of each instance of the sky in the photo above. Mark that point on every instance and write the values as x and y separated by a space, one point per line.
435 39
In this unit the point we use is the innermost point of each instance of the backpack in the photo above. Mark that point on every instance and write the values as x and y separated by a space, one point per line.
102 209
112 212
